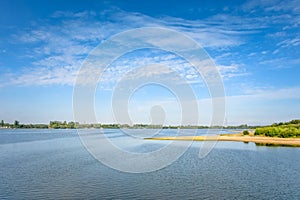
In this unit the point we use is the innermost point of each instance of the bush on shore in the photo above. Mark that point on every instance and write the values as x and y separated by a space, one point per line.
282 130
245 132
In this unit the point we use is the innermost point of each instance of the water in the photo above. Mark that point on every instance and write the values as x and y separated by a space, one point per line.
53 164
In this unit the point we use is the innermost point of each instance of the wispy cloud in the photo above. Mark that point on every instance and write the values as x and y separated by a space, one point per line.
42 76
257 107
277 12
273 5
290 42
280 63
61 45
273 93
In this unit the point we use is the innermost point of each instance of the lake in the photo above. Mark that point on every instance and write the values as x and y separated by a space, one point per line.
53 164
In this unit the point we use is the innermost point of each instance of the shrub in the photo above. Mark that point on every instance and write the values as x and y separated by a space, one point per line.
283 131
245 132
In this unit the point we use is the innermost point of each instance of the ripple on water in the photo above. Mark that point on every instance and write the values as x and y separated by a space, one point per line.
58 167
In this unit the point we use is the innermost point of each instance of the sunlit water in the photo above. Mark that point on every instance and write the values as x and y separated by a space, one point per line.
53 164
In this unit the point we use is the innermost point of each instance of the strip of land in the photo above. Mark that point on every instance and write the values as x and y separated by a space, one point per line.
259 140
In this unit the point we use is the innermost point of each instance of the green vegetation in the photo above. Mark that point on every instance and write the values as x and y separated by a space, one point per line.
73 125
62 125
282 129
242 126
245 132
39 126
17 124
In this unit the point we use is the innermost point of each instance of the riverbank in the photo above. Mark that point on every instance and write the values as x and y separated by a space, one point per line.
259 140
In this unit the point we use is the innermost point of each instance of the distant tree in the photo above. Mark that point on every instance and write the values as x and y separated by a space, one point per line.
71 125
2 123
16 124
243 126
295 121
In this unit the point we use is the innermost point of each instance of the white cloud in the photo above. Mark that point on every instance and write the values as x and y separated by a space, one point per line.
273 5
264 106
68 14
230 71
290 42
257 107
44 76
281 63
275 94
63 46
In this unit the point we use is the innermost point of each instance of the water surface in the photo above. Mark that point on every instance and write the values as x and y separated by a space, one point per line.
53 164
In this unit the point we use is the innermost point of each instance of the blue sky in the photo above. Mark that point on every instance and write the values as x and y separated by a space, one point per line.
254 44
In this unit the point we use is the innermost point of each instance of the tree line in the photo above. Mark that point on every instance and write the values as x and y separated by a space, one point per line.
17 124
73 125
282 129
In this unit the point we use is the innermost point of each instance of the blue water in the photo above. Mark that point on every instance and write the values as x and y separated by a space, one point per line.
53 164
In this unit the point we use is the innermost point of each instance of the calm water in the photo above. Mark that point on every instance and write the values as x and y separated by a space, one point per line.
53 164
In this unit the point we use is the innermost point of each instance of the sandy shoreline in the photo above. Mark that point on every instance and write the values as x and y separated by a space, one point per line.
259 140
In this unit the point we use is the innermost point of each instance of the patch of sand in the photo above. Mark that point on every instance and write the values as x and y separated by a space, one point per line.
260 140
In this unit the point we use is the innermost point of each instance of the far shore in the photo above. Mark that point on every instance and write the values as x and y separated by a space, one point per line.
259 140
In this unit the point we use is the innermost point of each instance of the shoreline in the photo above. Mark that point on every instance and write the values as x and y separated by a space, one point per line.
258 140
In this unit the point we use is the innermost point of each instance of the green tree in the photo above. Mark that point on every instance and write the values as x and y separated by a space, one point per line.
16 124
245 132
2 123
71 125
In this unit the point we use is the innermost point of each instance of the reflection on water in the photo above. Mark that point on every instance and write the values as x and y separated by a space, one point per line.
38 164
